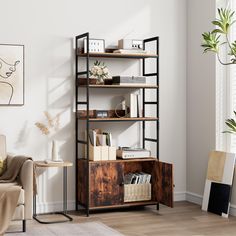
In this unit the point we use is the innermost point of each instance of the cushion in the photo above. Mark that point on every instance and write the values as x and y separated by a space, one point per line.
3 152
3 165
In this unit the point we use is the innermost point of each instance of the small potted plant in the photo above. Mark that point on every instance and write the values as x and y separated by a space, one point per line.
99 71
51 127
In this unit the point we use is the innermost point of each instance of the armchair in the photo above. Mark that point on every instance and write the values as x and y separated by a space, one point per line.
23 210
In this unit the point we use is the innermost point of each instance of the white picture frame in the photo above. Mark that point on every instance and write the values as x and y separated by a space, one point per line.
95 45
11 75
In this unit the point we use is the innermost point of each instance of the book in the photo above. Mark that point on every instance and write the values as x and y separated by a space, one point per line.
124 79
92 137
137 178
131 105
101 140
108 139
130 51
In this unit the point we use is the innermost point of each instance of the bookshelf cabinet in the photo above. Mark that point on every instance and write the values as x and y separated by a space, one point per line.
100 184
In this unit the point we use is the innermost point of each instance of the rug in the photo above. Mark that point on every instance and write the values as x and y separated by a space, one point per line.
70 229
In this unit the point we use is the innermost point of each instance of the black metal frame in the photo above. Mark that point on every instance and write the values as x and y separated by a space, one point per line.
77 103
64 212
157 94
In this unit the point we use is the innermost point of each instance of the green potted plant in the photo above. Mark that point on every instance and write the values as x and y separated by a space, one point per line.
214 40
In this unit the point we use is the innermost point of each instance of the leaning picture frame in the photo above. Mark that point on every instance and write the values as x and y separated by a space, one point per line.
12 74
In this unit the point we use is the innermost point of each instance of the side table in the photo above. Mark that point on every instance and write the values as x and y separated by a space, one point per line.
64 165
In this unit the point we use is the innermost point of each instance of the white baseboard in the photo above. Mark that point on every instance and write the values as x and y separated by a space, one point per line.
179 196
194 198
197 199
54 206
232 210
58 206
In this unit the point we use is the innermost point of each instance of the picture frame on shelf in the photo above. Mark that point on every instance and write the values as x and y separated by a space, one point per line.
101 114
95 45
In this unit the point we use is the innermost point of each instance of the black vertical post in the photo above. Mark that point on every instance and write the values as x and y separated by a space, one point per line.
86 73
76 124
87 124
157 96
143 92
65 189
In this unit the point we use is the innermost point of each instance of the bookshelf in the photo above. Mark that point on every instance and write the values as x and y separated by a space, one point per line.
100 184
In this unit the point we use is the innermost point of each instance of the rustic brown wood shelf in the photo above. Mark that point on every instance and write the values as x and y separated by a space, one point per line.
130 160
121 86
124 160
127 204
121 119
117 55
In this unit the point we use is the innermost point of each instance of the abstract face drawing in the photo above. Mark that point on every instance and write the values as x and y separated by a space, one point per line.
7 69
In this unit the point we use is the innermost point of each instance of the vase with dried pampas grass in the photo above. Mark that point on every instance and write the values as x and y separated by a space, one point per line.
51 126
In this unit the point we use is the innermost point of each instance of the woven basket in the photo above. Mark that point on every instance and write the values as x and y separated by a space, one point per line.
137 192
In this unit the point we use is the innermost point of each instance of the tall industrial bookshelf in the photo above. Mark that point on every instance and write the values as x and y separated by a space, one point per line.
100 184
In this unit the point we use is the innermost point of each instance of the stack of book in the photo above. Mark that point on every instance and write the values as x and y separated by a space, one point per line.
137 187
137 178
130 51
132 153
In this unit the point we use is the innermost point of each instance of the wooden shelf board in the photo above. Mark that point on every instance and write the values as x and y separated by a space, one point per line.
121 119
129 160
123 160
127 204
118 55
120 86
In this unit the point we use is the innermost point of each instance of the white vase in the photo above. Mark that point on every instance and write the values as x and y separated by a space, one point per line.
54 151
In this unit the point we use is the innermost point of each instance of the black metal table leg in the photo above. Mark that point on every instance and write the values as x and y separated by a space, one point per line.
64 212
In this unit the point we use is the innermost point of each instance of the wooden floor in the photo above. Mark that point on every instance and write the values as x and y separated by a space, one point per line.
184 219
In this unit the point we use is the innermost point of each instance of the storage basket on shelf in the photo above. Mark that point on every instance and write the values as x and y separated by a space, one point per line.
137 192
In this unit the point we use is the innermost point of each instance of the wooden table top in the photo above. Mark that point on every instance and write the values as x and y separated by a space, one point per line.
47 165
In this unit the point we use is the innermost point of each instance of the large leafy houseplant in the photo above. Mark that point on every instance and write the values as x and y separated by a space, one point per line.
214 40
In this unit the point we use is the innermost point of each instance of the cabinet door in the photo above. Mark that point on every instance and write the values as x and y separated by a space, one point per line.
106 184
163 187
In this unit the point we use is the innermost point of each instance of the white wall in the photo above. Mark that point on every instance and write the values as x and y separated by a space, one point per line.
201 87
47 29
205 101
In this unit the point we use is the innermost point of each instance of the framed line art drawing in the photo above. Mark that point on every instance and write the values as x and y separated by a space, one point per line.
11 75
